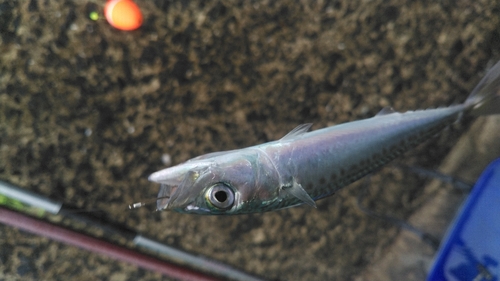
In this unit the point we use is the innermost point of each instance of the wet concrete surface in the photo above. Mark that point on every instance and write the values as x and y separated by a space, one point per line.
86 113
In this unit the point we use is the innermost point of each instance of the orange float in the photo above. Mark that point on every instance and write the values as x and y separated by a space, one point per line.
123 14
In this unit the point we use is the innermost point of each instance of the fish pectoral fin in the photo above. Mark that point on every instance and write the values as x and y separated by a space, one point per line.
299 192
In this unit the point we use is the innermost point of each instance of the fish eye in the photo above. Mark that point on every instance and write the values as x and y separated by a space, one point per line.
221 196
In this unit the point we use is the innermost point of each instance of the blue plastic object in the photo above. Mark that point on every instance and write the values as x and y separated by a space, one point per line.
471 249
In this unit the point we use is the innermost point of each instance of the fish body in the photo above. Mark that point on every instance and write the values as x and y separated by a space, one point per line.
303 166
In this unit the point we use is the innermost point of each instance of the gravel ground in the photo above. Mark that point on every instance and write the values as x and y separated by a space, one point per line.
87 112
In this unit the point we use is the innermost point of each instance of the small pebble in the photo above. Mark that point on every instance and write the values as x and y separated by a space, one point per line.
166 159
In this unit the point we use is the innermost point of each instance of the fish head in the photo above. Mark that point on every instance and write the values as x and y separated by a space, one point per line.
216 185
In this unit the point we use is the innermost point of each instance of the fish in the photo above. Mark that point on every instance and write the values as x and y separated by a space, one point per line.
305 166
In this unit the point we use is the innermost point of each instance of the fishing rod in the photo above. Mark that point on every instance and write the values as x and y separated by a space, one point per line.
187 266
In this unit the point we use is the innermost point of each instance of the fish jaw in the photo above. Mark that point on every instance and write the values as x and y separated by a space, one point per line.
177 184
173 176
164 196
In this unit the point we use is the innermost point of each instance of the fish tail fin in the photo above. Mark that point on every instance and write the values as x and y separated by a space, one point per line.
485 98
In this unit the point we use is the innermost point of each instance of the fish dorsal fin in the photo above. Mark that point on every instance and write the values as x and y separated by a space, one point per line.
386 110
298 191
299 130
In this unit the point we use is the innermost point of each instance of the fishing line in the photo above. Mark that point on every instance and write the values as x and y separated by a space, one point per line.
428 173
434 174
142 204
424 236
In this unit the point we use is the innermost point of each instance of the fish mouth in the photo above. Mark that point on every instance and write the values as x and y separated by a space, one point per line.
165 196
178 188
176 198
